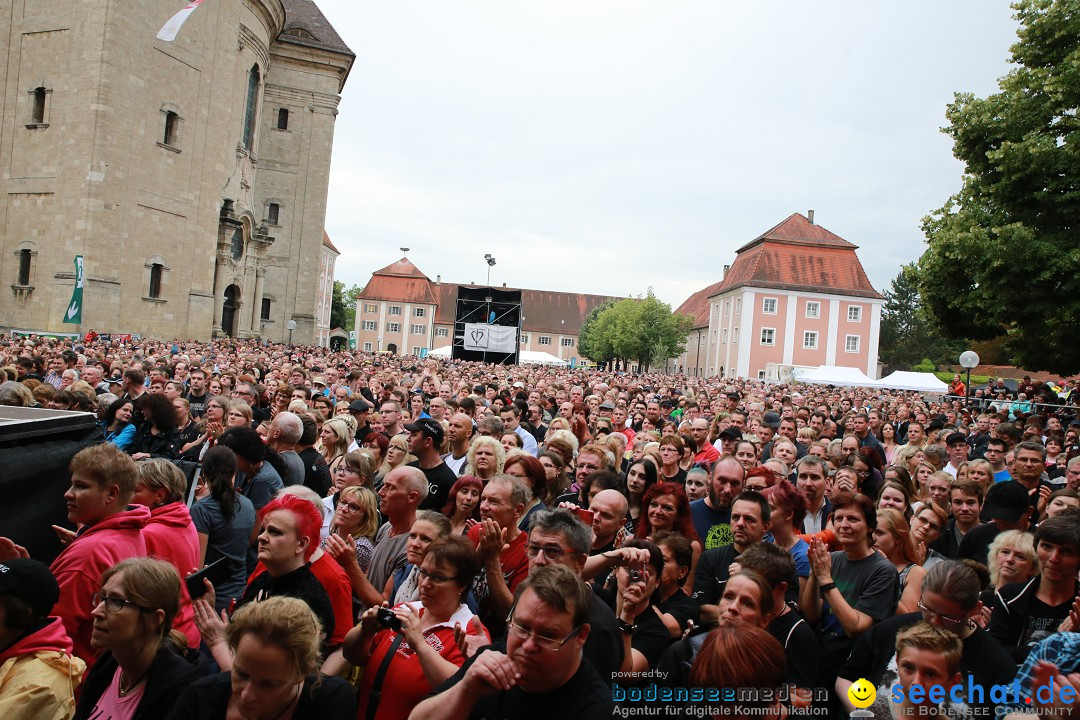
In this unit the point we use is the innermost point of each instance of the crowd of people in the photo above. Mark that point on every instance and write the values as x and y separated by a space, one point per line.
275 532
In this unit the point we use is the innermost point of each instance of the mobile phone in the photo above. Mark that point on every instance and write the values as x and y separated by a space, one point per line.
217 572
387 618
586 516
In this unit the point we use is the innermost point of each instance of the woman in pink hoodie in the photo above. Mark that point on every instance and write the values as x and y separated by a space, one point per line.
170 535
38 674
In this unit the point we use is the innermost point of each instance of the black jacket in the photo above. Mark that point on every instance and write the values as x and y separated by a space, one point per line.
169 675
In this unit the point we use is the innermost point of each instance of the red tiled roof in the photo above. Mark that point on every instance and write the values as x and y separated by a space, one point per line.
543 311
697 305
798 255
399 282
327 243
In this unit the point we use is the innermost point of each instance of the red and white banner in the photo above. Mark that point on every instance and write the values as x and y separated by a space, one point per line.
170 29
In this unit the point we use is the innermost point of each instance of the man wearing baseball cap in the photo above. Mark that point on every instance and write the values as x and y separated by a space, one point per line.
1007 507
38 674
425 442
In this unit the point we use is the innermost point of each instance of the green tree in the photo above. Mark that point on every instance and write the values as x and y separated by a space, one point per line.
908 333
1003 257
343 307
641 329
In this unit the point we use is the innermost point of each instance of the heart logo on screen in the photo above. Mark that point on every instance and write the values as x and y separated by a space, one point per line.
477 336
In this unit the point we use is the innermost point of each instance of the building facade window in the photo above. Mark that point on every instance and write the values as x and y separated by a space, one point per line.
567 342
524 338
809 340
723 337
237 244
419 312
39 107
418 329
155 280
26 258
395 310
369 325
251 106
370 308
760 374
813 309
273 213
854 313
264 313
545 340
738 305
768 336
282 119
172 129
367 347
393 327
441 332
851 344
735 336
727 307
416 350
768 306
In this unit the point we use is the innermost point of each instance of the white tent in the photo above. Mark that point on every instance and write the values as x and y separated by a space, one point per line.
443 352
833 375
917 381
526 357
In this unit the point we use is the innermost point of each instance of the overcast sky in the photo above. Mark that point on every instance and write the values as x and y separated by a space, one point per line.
606 147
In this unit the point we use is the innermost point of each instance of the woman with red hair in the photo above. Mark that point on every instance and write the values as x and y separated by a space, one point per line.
788 510
463 504
665 507
289 529
742 656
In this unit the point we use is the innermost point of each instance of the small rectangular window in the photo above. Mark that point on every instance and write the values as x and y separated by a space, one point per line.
768 336
809 341
723 337
367 347
155 280
738 305
768 306
567 342
282 119
369 325
265 313
524 338
370 308
727 307
854 313
273 212
851 344
416 350
545 340
395 309
25 258
172 129
37 115
735 336
418 329
813 310
440 332
419 312
393 327
760 374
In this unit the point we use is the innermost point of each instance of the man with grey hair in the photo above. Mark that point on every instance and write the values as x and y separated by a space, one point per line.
285 431
491 426
501 545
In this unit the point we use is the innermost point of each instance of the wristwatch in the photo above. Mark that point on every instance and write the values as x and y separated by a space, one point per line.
626 627
827 587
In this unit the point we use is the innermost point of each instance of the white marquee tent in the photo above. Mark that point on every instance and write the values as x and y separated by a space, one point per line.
525 357
833 375
916 381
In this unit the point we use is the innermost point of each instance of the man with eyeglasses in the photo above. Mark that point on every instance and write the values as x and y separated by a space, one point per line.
950 600
538 672
558 537
501 545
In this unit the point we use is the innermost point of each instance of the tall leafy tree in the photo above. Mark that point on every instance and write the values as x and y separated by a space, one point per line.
1003 255
339 307
908 334
641 329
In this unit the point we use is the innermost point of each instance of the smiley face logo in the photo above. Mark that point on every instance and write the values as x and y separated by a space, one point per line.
862 693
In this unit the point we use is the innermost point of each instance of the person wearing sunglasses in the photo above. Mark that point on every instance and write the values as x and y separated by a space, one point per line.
949 600
413 649
144 663
538 671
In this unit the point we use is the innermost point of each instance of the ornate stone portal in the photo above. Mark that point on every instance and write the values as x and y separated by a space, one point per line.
239 273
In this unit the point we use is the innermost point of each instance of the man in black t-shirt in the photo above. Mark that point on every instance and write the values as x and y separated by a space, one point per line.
425 440
750 519
197 397
316 471
538 673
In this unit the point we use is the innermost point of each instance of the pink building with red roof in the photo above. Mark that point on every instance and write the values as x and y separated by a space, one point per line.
795 296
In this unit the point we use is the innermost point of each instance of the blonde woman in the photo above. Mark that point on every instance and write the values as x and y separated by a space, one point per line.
486 458
356 519
238 415
397 454
892 538
334 438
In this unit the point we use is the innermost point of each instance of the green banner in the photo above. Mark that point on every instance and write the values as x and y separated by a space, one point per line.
73 315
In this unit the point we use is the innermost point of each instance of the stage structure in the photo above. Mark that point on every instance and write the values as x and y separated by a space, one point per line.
487 326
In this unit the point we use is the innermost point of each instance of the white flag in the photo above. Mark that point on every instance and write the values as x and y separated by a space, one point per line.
490 338
170 29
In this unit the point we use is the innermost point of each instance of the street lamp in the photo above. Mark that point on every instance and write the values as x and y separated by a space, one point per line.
968 359
491 264
291 325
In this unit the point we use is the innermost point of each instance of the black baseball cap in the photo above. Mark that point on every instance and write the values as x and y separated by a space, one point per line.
359 405
32 582
731 432
771 419
429 426
1006 501
956 438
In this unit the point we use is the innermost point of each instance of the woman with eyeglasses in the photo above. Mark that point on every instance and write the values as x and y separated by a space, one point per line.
420 652
209 428
428 527
356 519
143 667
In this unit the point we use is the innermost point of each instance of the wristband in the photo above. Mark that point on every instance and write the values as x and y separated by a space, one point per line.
827 587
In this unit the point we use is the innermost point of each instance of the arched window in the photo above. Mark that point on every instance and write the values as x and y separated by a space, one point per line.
273 213
155 280
237 244
39 106
172 129
250 110
25 258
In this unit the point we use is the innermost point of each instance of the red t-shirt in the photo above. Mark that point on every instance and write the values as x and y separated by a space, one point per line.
404 684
